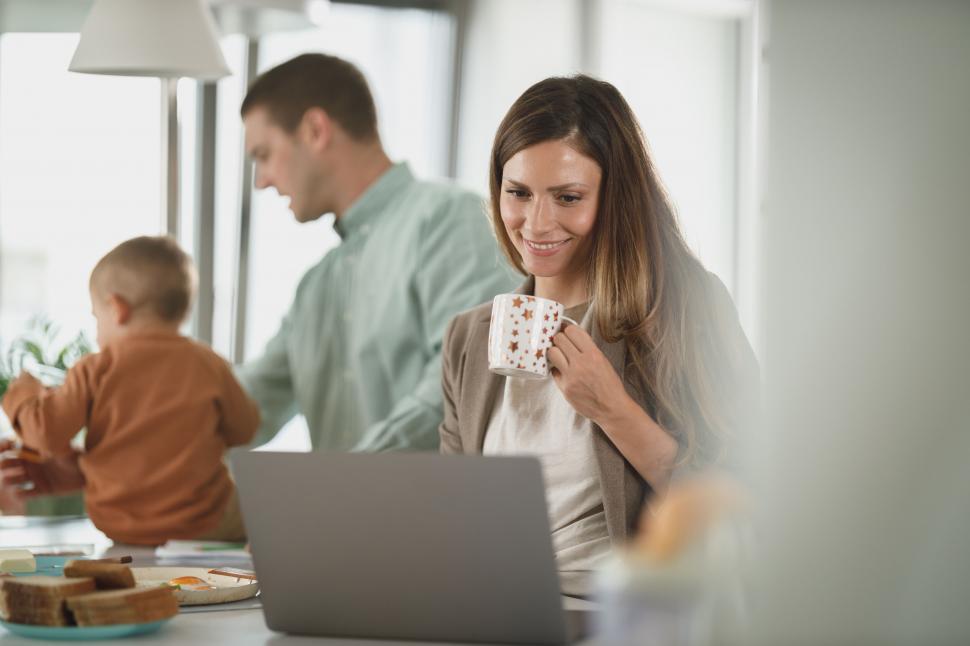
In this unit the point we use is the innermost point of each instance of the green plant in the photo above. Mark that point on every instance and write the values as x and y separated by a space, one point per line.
40 350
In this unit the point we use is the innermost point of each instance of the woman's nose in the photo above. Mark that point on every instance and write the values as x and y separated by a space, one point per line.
540 219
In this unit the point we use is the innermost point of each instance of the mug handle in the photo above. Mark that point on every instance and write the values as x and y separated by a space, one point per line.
569 320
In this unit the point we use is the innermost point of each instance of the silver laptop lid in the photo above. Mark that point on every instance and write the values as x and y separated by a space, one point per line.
402 546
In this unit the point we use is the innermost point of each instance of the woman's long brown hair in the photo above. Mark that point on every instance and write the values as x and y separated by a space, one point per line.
646 286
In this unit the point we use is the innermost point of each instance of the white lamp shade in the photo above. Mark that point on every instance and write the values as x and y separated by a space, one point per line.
164 38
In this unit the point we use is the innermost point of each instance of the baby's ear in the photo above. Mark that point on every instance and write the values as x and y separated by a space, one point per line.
120 308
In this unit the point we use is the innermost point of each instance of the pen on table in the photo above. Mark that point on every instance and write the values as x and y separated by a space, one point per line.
114 559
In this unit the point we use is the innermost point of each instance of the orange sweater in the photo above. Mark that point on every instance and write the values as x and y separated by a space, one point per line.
160 411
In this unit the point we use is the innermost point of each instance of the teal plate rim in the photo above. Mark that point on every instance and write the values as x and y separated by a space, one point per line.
82 633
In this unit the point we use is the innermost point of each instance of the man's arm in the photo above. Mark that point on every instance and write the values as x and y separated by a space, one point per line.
269 382
459 267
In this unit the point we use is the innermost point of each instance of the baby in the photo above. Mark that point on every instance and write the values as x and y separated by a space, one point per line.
159 409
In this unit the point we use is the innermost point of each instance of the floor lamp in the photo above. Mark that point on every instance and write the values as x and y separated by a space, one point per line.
168 39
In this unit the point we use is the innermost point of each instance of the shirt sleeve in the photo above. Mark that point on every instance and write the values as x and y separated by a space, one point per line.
460 267
47 419
269 382
448 432
240 417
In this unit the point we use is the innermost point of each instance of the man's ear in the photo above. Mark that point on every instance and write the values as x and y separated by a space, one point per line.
316 128
120 309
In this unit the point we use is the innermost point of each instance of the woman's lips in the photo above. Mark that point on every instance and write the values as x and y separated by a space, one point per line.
545 248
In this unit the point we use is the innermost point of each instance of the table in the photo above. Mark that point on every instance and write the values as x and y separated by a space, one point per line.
243 627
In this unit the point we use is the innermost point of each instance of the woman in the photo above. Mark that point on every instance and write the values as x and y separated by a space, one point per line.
657 376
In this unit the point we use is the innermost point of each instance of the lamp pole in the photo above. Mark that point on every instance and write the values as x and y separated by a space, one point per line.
170 157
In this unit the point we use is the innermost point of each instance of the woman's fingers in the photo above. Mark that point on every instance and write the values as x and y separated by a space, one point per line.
579 337
557 360
566 346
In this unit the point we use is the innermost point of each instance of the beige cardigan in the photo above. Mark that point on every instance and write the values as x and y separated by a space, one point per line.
470 391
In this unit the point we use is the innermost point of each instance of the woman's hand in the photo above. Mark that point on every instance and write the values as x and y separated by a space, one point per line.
585 376
591 386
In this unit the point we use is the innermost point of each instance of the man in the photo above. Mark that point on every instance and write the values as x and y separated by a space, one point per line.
358 353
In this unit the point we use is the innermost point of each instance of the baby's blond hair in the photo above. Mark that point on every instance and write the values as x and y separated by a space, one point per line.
149 271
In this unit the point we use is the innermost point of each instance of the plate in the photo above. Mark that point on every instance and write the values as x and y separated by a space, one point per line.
82 633
227 588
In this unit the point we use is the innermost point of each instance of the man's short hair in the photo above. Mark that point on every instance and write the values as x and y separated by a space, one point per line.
150 272
332 84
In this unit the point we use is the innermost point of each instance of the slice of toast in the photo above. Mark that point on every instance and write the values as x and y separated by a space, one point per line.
115 598
39 600
49 587
107 576
54 616
162 609
128 606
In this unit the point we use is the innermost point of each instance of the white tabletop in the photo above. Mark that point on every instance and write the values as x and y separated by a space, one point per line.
227 626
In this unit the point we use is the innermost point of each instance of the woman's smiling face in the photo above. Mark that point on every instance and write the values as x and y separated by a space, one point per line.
550 195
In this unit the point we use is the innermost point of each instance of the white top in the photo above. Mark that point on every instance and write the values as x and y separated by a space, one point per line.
531 417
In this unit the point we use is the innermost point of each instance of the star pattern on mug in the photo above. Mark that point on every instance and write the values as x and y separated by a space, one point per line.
529 324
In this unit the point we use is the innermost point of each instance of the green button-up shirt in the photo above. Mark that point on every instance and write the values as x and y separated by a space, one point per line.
359 351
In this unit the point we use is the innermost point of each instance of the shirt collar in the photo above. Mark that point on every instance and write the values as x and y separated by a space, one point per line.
374 201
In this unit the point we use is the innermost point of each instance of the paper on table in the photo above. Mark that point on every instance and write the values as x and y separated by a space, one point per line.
210 551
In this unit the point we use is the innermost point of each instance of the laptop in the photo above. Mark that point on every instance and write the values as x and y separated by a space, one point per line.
413 546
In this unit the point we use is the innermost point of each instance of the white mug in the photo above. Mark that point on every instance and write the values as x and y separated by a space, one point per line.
520 334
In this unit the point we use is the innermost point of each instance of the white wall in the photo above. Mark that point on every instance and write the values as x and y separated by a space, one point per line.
510 45
866 522
679 71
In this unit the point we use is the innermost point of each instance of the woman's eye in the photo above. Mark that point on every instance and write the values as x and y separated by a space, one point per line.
569 199
515 192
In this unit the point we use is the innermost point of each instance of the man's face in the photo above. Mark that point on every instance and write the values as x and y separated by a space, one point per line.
283 161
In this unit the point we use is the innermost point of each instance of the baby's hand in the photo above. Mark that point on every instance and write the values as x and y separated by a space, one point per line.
12 499
22 477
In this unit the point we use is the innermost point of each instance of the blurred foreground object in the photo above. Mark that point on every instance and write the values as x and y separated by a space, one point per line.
678 583
863 523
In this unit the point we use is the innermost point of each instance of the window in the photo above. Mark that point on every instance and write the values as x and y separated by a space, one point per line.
683 89
79 173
